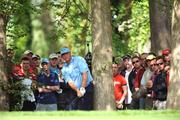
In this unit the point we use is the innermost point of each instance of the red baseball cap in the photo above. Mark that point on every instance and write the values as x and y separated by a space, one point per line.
166 51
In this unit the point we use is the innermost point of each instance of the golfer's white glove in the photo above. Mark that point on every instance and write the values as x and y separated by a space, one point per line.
82 90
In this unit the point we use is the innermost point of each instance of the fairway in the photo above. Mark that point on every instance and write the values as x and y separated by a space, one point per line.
92 115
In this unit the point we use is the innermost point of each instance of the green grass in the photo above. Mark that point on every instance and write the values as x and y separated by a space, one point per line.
92 115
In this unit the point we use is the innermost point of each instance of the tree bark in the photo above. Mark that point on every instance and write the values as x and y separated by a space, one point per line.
102 55
127 17
49 28
27 22
160 25
174 89
3 78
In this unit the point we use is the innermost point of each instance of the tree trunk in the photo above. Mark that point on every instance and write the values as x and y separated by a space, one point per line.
127 17
159 11
3 78
102 55
49 28
174 89
27 22
29 30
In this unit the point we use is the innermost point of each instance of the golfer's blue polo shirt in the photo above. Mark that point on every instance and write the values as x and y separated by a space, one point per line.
73 71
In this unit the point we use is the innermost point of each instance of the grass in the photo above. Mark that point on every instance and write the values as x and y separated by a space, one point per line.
93 115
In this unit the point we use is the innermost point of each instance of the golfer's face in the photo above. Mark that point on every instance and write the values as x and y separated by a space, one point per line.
66 57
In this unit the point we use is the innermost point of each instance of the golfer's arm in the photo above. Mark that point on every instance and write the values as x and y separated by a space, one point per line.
84 79
71 84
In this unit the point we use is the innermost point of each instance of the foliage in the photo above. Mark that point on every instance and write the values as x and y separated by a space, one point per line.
19 29
136 27
72 23
140 27
70 19
13 88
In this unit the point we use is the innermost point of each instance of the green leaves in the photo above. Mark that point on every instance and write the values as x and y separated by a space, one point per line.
130 29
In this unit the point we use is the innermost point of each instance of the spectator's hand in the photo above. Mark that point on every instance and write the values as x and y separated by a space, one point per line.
40 90
119 104
136 89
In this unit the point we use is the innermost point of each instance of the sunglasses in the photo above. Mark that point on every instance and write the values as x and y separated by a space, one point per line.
153 65
135 61
160 63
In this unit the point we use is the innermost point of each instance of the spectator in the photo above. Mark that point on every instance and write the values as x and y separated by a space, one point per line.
160 85
54 63
48 85
143 59
166 53
10 63
120 87
128 74
146 76
136 80
25 73
149 84
29 54
36 64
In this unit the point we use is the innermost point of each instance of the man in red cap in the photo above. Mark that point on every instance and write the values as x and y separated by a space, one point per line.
166 53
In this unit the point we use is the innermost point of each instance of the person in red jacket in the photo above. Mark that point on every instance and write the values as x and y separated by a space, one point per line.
23 70
120 87
25 75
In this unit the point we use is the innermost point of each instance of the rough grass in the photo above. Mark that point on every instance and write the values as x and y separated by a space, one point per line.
93 115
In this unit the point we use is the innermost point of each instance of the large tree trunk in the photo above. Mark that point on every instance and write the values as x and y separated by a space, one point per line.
127 17
29 25
3 78
160 24
102 55
49 28
174 89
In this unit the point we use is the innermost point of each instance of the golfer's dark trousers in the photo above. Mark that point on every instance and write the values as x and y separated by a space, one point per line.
82 103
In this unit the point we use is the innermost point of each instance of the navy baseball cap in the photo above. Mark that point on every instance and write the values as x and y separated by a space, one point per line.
44 60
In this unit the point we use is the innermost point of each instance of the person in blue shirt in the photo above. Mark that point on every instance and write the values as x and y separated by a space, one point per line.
48 85
53 61
77 75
